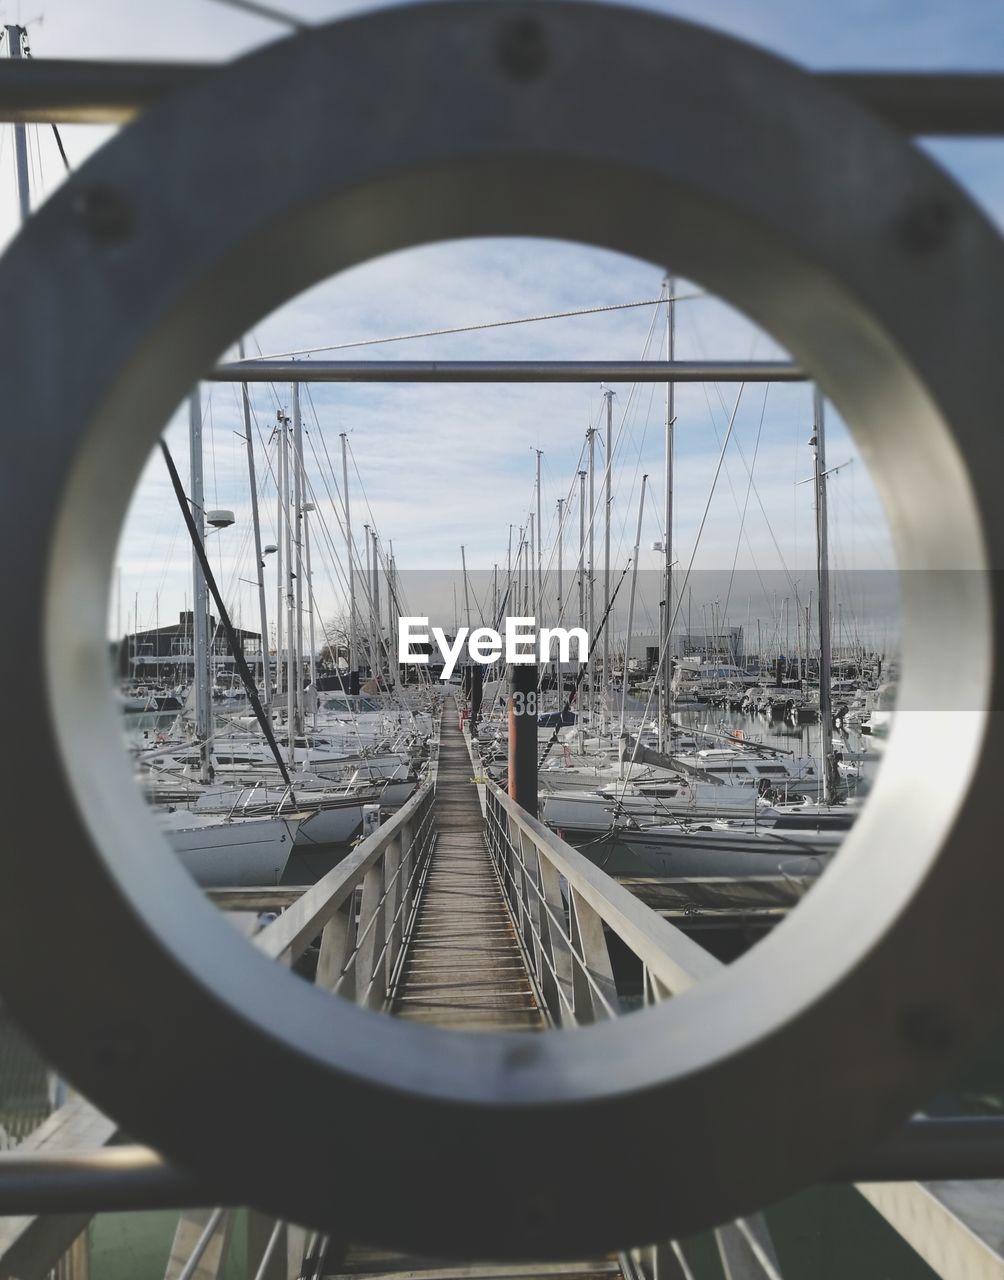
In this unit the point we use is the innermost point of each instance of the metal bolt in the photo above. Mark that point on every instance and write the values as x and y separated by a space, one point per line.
105 213
523 49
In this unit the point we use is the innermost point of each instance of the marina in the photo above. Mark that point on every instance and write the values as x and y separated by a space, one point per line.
523 808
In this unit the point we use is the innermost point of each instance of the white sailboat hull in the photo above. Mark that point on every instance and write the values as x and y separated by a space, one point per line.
231 854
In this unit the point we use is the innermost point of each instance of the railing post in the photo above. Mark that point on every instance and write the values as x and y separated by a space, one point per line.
653 991
660 1262
338 940
371 935
392 864
589 940
407 839
527 880
746 1249
556 986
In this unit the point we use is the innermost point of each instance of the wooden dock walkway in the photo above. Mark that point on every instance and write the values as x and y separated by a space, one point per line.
464 967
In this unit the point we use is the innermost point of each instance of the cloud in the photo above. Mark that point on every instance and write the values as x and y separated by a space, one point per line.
448 465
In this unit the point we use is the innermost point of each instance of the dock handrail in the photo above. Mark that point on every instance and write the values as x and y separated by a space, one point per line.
531 862
360 949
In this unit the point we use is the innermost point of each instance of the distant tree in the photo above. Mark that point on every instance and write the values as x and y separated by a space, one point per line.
335 648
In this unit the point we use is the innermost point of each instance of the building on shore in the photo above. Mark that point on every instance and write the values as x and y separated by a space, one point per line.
166 653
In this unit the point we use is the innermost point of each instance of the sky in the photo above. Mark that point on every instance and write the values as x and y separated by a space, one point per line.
435 467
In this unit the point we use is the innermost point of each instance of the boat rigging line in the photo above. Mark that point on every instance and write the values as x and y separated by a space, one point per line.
583 668
266 11
686 578
474 328
228 626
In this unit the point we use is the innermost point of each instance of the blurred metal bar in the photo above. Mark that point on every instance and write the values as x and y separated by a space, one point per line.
63 91
116 1179
929 103
935 1150
107 1179
508 371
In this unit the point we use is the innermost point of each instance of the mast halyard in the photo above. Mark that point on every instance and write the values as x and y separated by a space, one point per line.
353 645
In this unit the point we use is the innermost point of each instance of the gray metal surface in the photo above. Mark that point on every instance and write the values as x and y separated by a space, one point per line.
502 371
52 90
807 214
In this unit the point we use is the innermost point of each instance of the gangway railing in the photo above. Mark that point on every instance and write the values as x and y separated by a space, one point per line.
566 911
560 903
363 909
858 271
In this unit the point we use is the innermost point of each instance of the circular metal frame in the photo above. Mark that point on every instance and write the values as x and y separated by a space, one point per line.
468 119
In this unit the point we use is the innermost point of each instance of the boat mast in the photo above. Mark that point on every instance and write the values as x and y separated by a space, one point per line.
353 663
287 533
15 37
818 443
539 592
200 598
307 508
266 677
666 613
630 617
531 576
369 599
590 693
508 580
519 573
392 614
582 549
467 599
297 533
608 498
377 636
280 555
560 604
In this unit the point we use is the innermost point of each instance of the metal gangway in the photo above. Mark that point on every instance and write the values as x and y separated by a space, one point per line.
464 912
799 198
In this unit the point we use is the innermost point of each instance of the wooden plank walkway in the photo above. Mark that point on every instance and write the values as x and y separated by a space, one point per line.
464 968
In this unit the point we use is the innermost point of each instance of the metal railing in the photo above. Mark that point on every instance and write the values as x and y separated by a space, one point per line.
362 911
560 903
565 909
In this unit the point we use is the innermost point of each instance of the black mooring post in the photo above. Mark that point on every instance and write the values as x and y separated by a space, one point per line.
477 690
523 737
